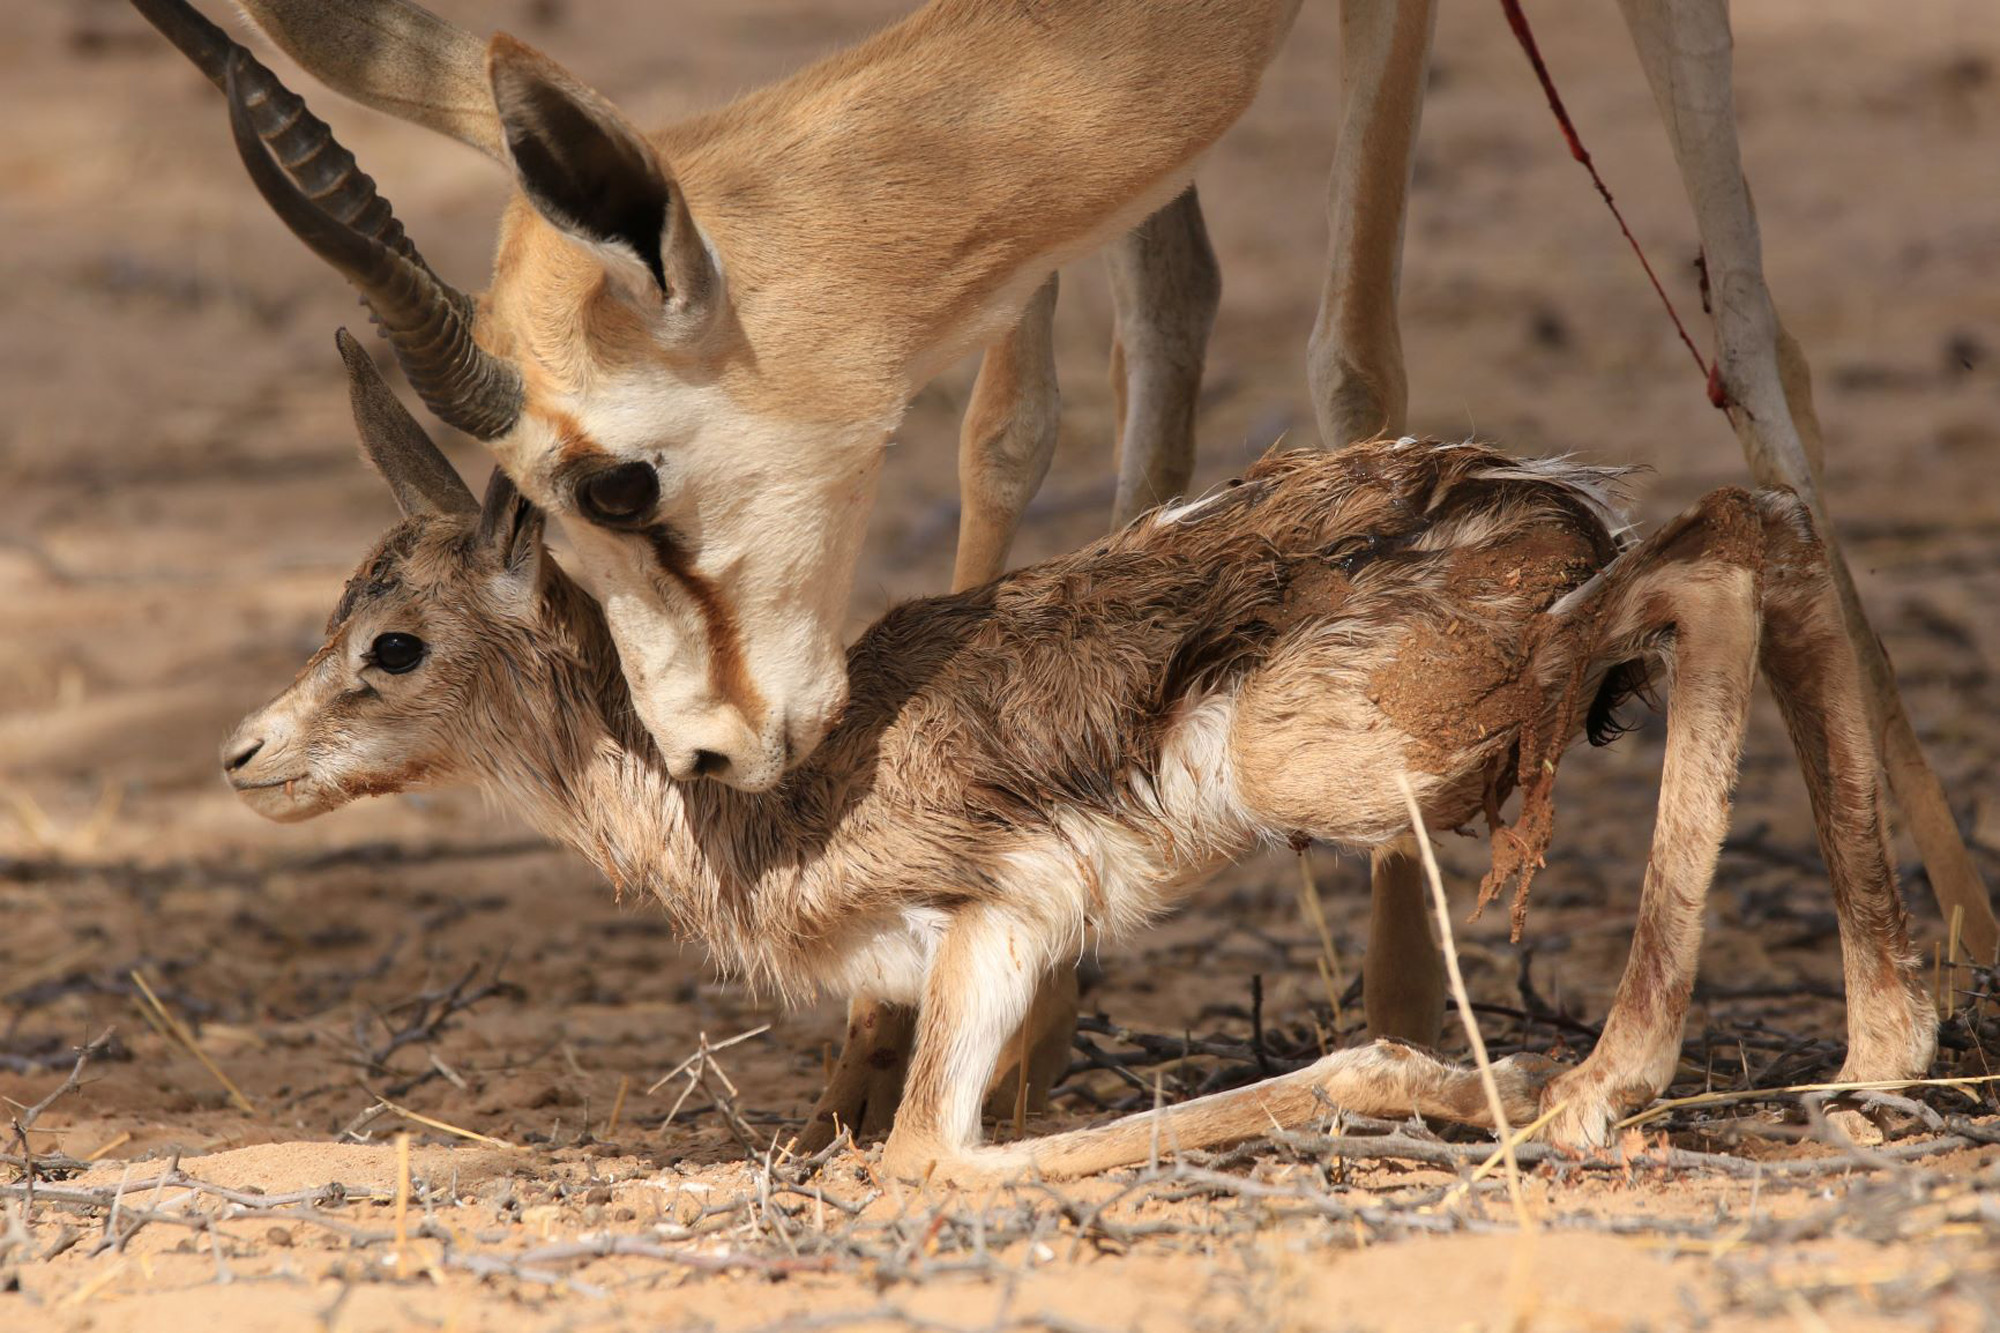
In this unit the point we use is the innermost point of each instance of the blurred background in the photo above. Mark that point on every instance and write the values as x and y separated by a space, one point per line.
180 501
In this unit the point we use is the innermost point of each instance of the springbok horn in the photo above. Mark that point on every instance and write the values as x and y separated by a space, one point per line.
331 205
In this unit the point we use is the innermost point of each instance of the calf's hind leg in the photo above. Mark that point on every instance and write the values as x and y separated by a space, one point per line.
1891 1027
981 984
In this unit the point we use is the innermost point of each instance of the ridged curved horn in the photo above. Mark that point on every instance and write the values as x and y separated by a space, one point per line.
302 141
427 322
331 205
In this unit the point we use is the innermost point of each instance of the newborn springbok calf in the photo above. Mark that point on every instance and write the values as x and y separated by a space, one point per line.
1058 757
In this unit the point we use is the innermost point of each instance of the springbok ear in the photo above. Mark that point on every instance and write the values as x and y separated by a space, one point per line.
423 480
511 524
393 55
589 172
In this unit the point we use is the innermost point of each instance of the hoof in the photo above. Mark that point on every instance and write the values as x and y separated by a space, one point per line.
922 1164
1523 1080
1856 1128
1584 1112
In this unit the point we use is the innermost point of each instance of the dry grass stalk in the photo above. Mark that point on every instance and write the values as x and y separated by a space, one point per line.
180 1033
1666 1106
617 1105
402 1200
446 1127
1315 913
1457 977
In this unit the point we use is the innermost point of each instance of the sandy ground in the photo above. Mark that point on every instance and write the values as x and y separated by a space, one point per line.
182 504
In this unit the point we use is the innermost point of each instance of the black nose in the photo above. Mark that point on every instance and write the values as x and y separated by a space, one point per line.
709 764
243 756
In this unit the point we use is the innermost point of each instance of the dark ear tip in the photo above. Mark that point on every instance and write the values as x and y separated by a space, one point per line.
350 348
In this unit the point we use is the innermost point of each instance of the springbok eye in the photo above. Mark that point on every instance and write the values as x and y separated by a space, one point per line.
396 653
619 494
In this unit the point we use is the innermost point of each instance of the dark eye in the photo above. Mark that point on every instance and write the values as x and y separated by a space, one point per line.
396 653
619 494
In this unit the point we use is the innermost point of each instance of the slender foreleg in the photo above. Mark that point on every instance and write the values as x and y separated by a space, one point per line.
1165 286
1007 439
1684 46
867 1080
979 991
1691 594
1006 442
1359 390
1355 358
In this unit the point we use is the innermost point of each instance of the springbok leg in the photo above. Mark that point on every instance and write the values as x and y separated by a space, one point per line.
1005 445
980 987
1355 358
1695 581
867 1081
1891 1026
1006 440
1359 390
1402 978
1684 46
1165 285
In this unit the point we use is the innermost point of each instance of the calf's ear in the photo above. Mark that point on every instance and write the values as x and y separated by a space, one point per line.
511 524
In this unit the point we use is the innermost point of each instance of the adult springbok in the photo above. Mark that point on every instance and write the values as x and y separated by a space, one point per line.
1058 757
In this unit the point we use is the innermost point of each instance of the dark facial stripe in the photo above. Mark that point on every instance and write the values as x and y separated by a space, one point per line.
578 456
727 676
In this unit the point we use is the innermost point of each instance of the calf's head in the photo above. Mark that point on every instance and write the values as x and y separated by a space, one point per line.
442 655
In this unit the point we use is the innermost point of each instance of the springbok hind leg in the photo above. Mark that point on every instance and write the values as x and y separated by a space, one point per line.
1684 46
1402 976
1383 1078
1693 584
1891 1026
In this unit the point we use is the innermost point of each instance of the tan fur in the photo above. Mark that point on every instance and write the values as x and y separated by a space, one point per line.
1057 758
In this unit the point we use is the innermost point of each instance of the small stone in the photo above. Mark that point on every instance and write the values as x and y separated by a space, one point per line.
280 1236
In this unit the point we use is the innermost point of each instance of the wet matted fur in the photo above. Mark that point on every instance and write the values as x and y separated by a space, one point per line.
1058 757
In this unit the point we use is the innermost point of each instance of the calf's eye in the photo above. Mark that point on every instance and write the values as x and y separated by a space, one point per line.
619 494
396 653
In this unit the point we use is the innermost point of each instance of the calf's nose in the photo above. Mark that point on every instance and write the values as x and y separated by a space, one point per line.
237 752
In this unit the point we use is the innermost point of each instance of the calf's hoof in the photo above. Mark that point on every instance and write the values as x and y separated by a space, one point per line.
1522 1080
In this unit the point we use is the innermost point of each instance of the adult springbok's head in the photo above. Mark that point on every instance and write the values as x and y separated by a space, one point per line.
458 651
620 367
